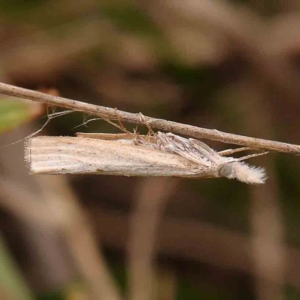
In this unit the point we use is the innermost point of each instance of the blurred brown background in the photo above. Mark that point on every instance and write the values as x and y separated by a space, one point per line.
229 65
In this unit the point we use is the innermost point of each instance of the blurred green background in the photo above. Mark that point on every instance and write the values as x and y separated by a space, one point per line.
228 65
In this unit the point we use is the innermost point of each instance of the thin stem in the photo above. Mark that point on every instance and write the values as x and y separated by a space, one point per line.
114 114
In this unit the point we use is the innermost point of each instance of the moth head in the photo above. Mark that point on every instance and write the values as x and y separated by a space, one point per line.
243 172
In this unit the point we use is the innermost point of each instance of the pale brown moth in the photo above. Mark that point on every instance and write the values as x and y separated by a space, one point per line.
157 154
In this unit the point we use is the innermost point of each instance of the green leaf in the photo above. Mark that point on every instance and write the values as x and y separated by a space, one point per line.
12 283
15 112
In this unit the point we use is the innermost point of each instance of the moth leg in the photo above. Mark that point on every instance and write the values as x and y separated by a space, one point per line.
144 121
121 126
87 121
232 151
106 119
224 152
252 155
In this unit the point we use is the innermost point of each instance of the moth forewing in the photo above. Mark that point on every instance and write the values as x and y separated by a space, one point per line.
76 155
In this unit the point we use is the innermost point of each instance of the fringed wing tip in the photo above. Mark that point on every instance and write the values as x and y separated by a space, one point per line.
27 155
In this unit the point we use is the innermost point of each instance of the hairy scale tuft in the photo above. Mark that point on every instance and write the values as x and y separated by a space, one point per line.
248 174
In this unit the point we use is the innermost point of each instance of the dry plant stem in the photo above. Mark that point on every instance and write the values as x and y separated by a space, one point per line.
196 241
80 239
49 207
21 203
266 216
113 114
45 253
144 224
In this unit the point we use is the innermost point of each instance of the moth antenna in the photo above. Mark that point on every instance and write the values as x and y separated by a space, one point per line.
49 118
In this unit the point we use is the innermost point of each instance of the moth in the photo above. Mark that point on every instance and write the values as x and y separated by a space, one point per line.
157 154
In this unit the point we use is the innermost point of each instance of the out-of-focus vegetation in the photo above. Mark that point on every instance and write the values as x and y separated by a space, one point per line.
14 113
229 65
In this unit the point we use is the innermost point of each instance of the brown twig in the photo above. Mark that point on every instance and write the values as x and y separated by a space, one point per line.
112 113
